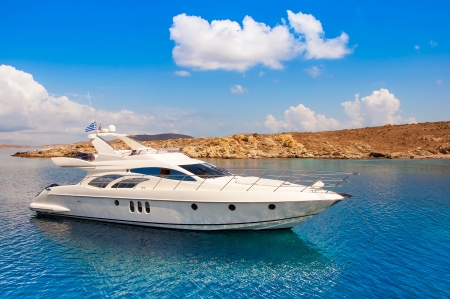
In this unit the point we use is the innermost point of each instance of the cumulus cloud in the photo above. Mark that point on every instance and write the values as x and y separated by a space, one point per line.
224 44
182 73
314 71
433 44
237 89
417 47
30 115
315 44
379 108
301 118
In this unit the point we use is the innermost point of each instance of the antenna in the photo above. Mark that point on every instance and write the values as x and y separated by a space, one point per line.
90 106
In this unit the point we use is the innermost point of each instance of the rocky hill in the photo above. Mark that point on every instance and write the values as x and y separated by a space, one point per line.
424 140
164 136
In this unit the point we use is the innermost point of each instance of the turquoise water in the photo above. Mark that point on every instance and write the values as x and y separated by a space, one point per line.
401 248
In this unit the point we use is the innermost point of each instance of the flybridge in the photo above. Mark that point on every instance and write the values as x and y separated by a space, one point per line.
108 156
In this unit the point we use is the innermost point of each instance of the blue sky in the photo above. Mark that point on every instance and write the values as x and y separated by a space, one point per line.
122 53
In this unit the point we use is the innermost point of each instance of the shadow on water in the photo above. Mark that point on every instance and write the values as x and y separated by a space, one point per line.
280 245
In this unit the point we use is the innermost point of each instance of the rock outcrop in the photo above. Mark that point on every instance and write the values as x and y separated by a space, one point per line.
426 140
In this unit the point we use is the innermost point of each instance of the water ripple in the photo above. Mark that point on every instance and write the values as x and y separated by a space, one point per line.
404 253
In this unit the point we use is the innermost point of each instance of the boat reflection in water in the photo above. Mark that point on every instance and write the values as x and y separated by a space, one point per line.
162 250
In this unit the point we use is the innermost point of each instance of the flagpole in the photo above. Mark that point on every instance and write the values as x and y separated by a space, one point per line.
92 113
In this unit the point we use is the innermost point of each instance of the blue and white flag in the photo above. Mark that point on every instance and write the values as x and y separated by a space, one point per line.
91 127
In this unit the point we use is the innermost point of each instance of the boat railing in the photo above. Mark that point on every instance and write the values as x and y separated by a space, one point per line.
248 179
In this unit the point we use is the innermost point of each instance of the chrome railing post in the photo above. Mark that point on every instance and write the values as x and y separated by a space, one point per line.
227 183
121 182
281 174
180 182
300 177
257 180
338 183
314 181
282 184
201 183
158 182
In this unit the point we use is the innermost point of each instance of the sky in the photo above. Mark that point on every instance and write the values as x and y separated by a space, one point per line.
217 68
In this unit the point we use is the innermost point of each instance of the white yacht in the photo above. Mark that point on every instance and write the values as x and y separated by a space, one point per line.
167 189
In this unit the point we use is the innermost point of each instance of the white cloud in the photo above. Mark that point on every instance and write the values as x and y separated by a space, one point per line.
29 115
438 82
301 118
314 71
182 73
433 44
224 44
238 89
316 45
417 47
261 73
411 120
379 108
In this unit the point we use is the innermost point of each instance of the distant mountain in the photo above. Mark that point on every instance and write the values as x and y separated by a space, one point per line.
164 136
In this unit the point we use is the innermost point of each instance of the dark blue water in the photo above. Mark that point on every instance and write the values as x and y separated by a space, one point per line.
400 250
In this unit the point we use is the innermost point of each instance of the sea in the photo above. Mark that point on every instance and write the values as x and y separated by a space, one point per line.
391 240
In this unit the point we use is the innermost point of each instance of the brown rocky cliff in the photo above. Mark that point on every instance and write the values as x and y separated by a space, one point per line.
389 141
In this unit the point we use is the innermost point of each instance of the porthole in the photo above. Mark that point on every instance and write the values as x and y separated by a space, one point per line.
194 206
139 207
131 207
116 202
272 206
232 207
147 207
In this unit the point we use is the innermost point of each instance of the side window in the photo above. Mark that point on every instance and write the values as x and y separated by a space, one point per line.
129 183
178 175
155 171
103 181
165 173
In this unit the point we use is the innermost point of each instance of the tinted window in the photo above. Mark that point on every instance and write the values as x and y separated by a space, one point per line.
128 183
155 171
147 207
206 169
131 206
163 172
103 181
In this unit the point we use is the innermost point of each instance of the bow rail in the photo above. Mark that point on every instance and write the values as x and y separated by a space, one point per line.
274 180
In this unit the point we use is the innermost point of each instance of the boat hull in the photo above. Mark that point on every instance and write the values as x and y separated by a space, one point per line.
195 210
264 225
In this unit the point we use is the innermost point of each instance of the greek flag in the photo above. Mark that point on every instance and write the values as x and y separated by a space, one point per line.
91 127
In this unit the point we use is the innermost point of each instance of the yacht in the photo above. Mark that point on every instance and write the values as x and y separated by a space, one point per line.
164 188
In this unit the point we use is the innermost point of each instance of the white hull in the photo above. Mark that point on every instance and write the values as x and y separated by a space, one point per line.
267 225
167 211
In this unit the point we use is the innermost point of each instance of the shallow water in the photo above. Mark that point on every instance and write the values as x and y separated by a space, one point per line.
401 248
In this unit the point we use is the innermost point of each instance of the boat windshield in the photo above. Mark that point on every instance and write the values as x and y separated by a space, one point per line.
206 169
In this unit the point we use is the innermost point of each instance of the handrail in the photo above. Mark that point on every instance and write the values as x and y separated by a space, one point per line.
274 178
257 180
282 184
226 183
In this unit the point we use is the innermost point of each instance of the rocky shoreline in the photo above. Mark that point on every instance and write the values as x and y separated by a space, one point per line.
425 140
